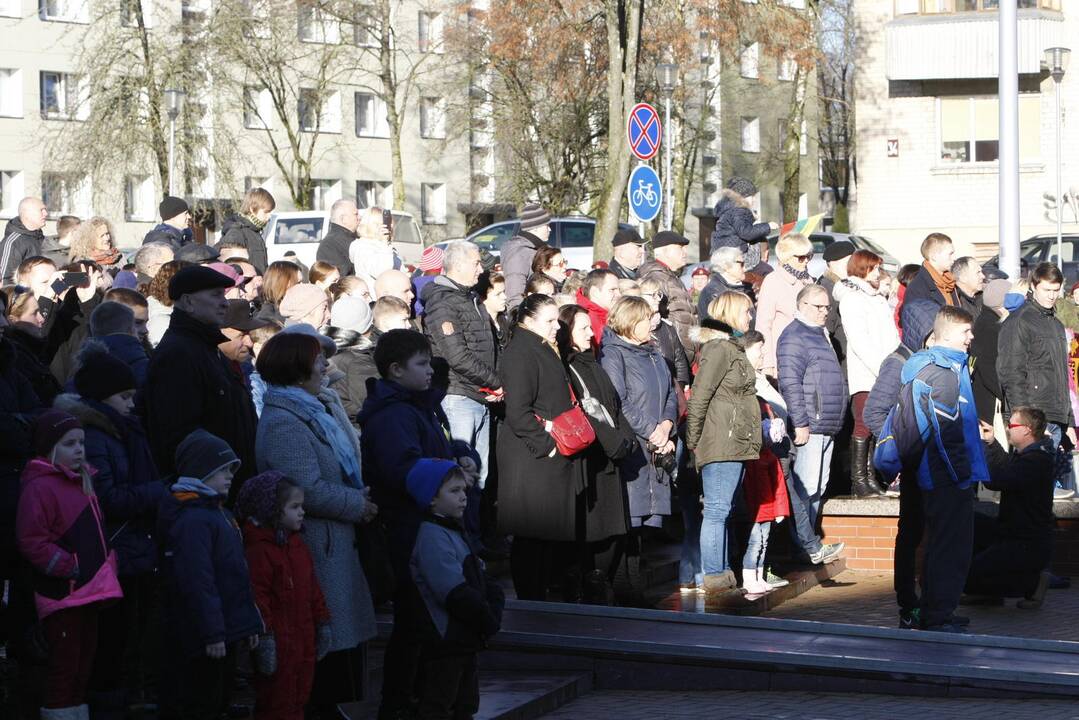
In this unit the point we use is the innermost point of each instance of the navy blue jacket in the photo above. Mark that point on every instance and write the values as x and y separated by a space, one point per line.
885 393
399 427
811 379
207 587
922 287
173 237
129 349
717 285
736 226
126 483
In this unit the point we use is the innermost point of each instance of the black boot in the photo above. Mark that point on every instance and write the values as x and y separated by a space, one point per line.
871 472
860 484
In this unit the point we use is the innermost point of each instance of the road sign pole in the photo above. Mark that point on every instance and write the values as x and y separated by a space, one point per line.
667 158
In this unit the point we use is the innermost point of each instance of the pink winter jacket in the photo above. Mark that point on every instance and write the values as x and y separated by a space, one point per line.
776 304
60 531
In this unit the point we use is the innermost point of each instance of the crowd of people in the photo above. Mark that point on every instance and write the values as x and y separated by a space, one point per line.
213 462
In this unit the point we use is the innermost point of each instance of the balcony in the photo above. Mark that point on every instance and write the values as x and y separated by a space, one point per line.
940 42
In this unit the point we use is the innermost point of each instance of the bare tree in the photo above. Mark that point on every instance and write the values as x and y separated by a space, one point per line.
835 74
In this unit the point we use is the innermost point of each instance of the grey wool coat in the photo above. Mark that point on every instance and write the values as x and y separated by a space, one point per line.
290 441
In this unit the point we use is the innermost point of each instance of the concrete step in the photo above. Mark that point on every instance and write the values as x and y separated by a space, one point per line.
735 602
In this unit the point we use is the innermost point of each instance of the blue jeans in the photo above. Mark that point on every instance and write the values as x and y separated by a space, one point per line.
811 466
720 481
1064 476
689 502
757 547
470 422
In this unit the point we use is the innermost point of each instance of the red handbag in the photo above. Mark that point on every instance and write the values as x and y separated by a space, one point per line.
571 430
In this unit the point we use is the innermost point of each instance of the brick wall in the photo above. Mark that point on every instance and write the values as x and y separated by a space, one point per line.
870 540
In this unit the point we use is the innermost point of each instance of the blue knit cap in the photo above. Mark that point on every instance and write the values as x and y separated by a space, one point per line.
1014 301
426 477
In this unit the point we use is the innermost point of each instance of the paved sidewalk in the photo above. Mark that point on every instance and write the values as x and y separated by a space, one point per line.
628 705
866 598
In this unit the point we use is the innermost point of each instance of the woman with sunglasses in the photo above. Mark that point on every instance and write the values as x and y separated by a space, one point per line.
551 263
779 293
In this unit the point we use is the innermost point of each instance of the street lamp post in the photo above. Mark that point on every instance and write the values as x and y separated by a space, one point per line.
174 102
1056 60
667 75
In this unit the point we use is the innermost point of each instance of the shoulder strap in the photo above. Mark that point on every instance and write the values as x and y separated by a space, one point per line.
584 388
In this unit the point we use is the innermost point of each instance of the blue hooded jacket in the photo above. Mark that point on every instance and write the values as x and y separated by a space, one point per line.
947 418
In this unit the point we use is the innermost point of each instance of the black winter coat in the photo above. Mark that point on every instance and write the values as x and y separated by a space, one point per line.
717 285
536 491
811 380
333 249
623 272
18 407
1025 481
983 364
670 347
167 234
238 229
736 226
126 484
834 324
191 385
603 500
29 361
1032 362
17 244
461 334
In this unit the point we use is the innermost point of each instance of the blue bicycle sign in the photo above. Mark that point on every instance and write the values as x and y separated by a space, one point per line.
645 193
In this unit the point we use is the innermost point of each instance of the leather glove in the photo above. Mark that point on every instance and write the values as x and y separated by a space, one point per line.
265 655
323 641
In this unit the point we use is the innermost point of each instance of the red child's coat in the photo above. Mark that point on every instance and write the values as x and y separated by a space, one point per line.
292 606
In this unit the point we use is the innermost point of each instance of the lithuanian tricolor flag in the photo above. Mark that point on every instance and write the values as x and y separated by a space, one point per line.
804 226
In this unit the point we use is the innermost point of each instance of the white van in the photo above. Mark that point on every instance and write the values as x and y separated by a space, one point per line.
299 233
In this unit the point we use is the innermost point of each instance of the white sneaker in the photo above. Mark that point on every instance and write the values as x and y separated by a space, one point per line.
1062 493
827 554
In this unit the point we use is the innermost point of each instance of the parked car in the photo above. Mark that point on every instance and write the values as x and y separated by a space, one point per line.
298 233
572 235
1038 249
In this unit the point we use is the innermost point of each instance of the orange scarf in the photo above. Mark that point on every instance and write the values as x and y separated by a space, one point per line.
944 282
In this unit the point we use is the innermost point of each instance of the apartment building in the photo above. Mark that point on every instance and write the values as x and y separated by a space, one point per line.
41 89
927 116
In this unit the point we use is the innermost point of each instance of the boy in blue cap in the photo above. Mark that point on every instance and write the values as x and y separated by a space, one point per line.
460 608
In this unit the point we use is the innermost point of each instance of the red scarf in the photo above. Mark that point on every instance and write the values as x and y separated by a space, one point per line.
596 315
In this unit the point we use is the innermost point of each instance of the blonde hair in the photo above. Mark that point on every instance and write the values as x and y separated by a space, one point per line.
729 308
346 285
84 237
792 244
628 310
370 226
257 199
649 285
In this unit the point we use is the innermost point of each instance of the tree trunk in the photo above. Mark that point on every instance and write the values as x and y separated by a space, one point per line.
388 76
792 158
623 35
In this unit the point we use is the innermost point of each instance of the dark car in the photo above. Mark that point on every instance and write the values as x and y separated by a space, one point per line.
572 235
1039 249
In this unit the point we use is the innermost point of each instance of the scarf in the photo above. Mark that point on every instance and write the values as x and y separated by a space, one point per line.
944 282
331 429
105 257
259 224
802 275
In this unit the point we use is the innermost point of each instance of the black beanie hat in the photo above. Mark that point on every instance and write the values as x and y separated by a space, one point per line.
171 206
49 427
201 454
101 375
742 186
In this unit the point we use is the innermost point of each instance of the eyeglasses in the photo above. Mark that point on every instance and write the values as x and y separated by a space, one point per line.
740 262
819 307
1015 425
804 258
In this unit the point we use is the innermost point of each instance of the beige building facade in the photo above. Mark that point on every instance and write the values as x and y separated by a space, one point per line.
927 120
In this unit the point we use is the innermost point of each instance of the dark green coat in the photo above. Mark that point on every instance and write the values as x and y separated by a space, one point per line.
724 422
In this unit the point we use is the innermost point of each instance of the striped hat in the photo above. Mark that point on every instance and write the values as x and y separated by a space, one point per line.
533 215
432 259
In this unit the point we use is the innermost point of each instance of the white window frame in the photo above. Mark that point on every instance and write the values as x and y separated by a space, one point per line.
324 193
940 160
127 14
72 11
71 90
73 191
312 27
366 30
12 191
433 203
786 68
433 117
751 134
329 111
139 196
11 93
374 193
749 61
430 31
377 124
258 108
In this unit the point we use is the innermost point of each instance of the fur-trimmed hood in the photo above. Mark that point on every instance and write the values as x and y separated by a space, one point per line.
86 413
710 330
729 198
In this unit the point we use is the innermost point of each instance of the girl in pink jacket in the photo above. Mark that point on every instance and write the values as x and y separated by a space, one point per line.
60 531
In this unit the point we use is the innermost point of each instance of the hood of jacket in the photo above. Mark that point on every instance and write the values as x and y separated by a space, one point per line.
15 226
40 467
728 200
523 238
238 222
612 340
708 331
126 348
188 485
344 338
384 393
941 356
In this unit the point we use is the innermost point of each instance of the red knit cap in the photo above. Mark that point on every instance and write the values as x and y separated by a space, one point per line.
432 259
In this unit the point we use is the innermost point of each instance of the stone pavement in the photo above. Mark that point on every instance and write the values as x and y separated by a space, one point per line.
632 705
866 598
